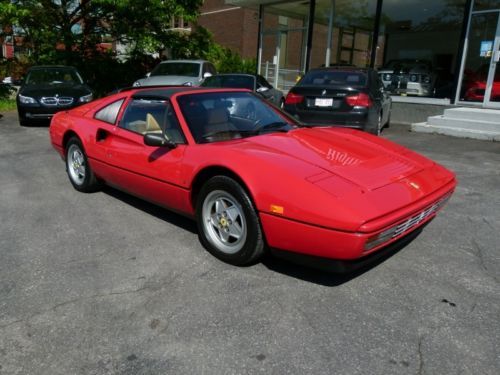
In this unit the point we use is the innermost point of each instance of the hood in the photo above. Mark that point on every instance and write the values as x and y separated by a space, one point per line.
366 161
62 89
168 80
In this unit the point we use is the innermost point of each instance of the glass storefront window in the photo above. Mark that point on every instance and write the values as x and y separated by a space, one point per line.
480 5
283 40
418 46
351 36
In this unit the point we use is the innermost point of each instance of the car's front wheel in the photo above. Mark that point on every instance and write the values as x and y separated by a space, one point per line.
228 224
79 172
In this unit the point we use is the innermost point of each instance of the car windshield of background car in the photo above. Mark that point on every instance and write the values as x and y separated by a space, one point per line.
177 69
333 78
53 76
213 117
408 65
230 82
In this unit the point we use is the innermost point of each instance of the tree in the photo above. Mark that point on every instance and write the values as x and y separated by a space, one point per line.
79 25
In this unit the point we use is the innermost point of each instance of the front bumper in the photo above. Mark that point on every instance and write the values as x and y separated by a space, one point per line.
304 239
40 112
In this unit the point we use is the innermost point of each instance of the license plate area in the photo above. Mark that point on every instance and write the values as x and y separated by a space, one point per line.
323 103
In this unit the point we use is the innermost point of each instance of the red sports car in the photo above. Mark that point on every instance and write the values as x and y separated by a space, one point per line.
252 177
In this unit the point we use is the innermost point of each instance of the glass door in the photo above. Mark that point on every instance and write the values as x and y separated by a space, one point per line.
492 95
481 74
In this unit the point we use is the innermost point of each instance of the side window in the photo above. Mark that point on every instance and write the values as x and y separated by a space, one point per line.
209 68
262 81
110 112
145 115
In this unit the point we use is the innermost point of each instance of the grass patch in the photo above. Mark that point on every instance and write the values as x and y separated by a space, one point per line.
7 105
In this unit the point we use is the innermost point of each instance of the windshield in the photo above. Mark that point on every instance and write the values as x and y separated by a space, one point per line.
222 116
53 76
177 69
333 78
230 81
407 65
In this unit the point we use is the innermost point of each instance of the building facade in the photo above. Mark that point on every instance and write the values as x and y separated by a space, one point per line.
427 51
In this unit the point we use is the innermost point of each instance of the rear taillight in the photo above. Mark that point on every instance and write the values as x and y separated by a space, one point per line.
359 100
293 98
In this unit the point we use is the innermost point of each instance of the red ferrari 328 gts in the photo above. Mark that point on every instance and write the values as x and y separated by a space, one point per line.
252 177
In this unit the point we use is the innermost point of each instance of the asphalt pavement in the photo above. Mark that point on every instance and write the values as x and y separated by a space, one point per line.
105 283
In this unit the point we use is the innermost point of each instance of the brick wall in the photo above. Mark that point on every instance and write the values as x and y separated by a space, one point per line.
232 27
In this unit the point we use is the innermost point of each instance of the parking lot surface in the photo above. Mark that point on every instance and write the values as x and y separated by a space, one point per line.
105 283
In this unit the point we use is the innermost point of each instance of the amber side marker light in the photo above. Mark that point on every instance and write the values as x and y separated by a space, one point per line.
277 209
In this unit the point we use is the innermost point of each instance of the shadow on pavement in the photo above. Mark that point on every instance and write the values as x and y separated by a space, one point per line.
153 209
320 274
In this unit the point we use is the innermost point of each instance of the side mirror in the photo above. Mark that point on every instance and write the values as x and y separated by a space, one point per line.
262 89
158 140
207 74
148 74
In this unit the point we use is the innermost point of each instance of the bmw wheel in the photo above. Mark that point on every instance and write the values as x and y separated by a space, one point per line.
79 172
228 224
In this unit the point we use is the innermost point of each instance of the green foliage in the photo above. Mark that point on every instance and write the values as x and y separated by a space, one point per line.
7 104
78 26
68 32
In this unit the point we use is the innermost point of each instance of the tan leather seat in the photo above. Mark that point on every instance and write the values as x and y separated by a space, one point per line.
218 121
152 125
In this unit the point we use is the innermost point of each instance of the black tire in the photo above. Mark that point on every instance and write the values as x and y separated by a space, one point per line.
377 128
250 246
79 172
22 120
388 123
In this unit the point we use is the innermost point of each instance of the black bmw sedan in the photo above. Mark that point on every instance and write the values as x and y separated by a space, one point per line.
50 89
341 96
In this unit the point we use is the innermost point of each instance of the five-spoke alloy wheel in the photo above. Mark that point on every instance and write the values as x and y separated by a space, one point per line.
79 172
228 224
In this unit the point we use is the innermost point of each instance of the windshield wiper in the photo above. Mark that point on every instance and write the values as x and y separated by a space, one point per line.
278 126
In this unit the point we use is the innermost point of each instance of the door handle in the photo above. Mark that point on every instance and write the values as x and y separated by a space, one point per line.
101 135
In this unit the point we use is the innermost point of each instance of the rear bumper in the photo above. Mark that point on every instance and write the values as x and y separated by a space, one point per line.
359 120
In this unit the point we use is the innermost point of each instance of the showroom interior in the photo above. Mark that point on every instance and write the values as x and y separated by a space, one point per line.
450 46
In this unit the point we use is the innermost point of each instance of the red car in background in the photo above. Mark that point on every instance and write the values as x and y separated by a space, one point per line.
252 176
475 84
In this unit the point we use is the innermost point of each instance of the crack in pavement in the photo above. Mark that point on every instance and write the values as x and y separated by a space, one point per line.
479 254
420 356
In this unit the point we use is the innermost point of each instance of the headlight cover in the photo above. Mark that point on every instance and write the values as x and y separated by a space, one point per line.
387 77
86 98
414 78
189 83
27 100
136 84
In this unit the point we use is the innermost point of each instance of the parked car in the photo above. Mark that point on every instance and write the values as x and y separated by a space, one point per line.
12 81
409 77
474 84
254 82
253 185
178 73
48 90
341 96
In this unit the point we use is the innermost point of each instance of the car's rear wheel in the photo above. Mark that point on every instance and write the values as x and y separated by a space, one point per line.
79 172
228 224
378 129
